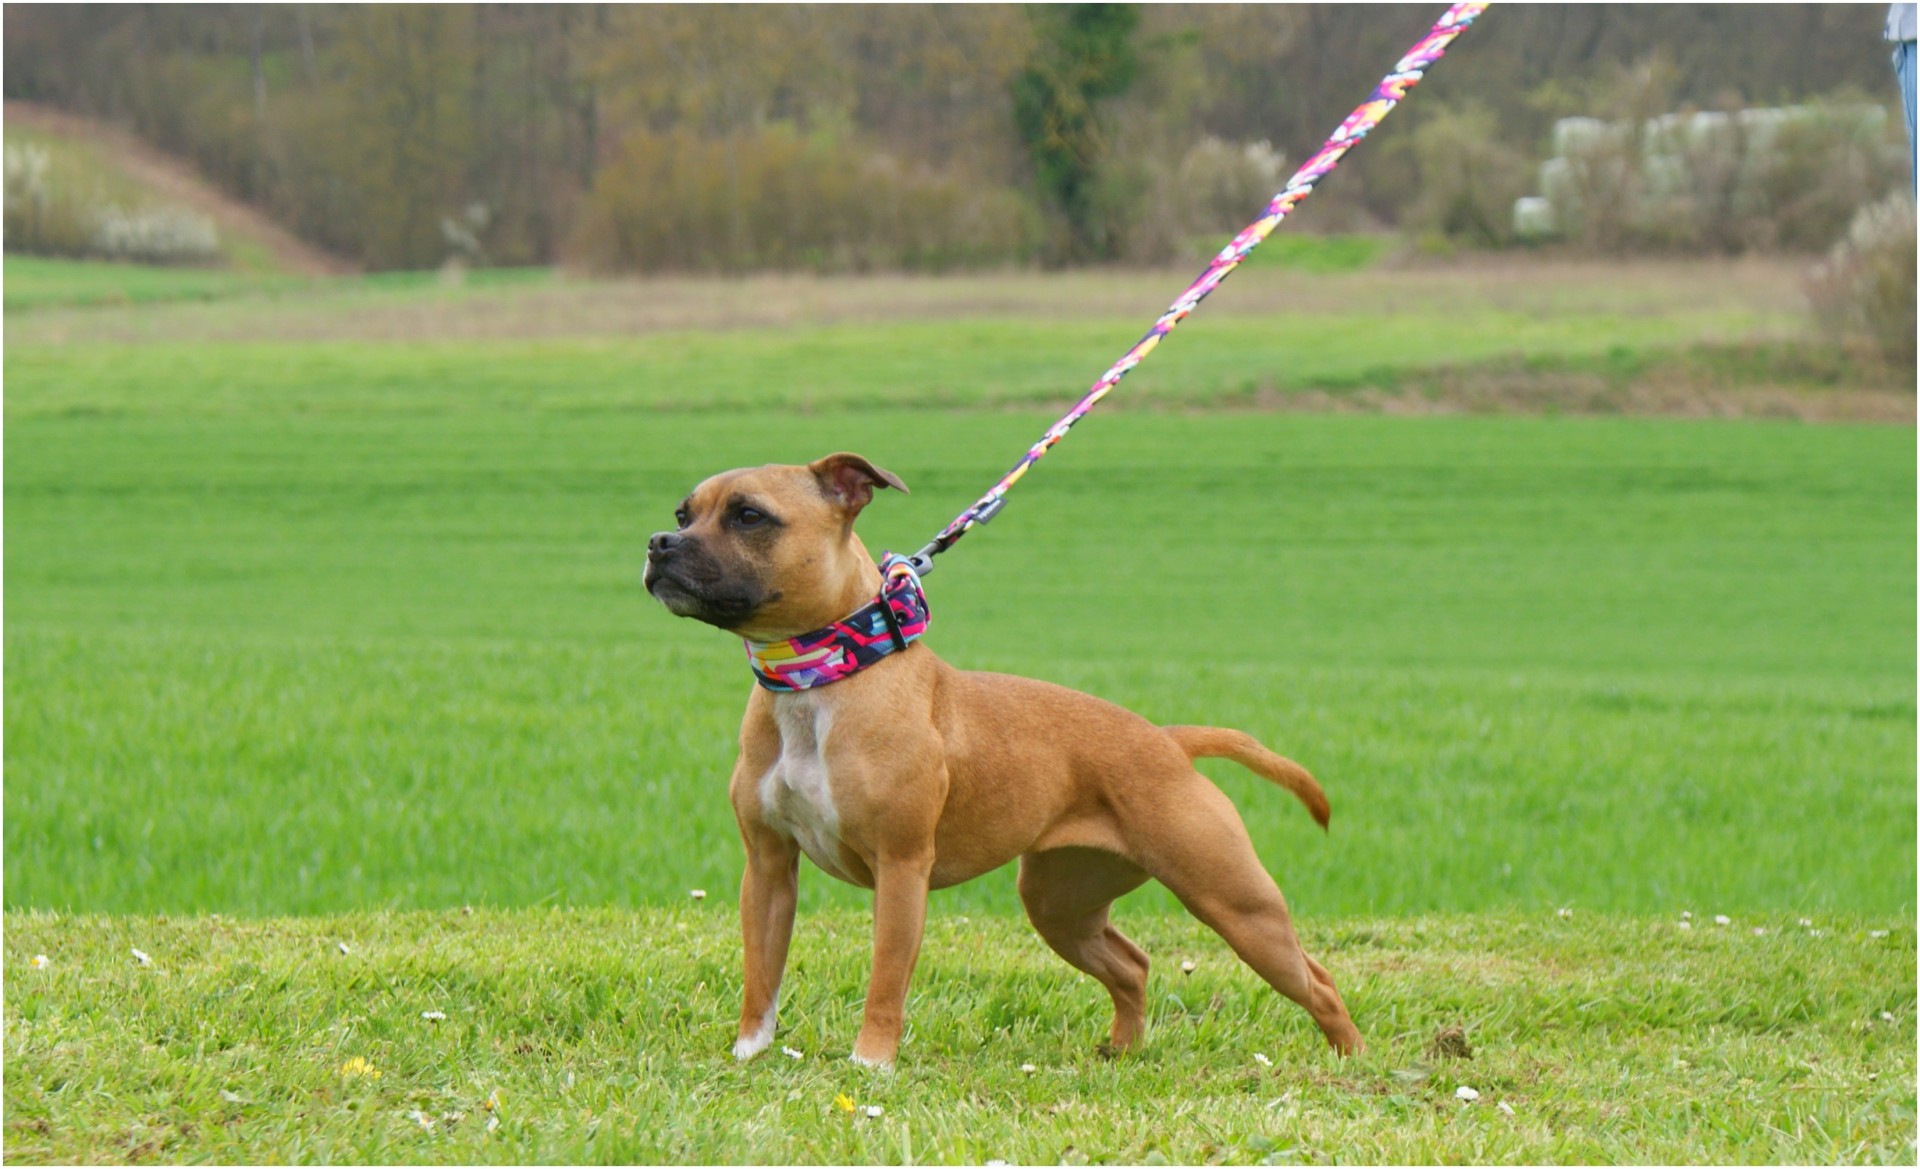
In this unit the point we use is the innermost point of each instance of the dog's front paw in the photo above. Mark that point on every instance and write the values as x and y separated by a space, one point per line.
748 1046
753 1042
878 1065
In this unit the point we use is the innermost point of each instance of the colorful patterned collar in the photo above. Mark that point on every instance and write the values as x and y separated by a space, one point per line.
886 624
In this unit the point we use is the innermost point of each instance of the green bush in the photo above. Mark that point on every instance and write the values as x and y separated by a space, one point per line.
1864 292
1468 177
1224 185
773 199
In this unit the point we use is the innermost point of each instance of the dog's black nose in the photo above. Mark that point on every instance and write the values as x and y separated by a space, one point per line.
663 543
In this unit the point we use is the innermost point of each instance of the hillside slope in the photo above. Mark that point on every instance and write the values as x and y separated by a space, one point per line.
125 164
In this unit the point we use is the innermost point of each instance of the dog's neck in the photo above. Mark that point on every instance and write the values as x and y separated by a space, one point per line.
885 625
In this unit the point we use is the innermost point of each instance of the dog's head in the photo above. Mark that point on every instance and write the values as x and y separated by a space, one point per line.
769 552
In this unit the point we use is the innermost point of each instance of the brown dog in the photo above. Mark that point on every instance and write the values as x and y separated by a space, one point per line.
911 775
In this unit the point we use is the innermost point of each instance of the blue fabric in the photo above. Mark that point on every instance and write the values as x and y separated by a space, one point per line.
1899 22
1903 70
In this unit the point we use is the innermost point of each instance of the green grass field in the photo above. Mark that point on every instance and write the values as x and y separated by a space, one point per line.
318 623
1610 663
600 1037
35 283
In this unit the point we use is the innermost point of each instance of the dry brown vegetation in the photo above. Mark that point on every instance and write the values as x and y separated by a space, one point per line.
578 308
1662 391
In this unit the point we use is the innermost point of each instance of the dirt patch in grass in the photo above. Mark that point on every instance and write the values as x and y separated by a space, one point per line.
1800 381
1450 1043
564 307
1583 396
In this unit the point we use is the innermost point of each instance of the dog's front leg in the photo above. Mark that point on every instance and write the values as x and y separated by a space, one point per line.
769 890
899 917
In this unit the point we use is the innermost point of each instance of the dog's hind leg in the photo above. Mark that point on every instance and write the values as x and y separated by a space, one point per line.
1067 892
1199 848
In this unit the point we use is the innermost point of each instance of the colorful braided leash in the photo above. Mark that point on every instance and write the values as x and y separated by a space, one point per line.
1359 123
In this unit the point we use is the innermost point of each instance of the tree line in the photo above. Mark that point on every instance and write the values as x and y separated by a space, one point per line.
727 137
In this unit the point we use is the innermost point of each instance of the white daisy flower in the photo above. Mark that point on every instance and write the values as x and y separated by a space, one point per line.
1563 911
343 948
1465 1093
1505 1107
1187 967
1686 915
41 962
790 1053
697 894
1686 925
1260 1057
873 1111
1759 931
1806 923
1722 919
1028 1068
140 956
433 1016
1878 933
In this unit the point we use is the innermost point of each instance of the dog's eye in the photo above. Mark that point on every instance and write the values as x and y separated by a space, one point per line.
749 516
681 516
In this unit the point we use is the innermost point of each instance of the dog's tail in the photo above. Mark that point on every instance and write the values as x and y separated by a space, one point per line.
1248 752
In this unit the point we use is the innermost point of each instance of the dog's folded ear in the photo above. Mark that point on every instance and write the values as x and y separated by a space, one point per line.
849 480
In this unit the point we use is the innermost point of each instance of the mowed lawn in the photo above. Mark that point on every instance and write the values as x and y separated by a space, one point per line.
600 1037
272 661
345 626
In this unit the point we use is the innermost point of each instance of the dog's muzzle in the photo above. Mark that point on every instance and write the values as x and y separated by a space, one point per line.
680 575
662 550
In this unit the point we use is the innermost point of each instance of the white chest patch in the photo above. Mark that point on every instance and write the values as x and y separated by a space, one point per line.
796 794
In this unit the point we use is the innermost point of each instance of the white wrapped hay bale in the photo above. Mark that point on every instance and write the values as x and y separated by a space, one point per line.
1533 218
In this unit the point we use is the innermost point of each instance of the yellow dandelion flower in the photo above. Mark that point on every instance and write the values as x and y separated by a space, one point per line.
359 1067
843 1102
